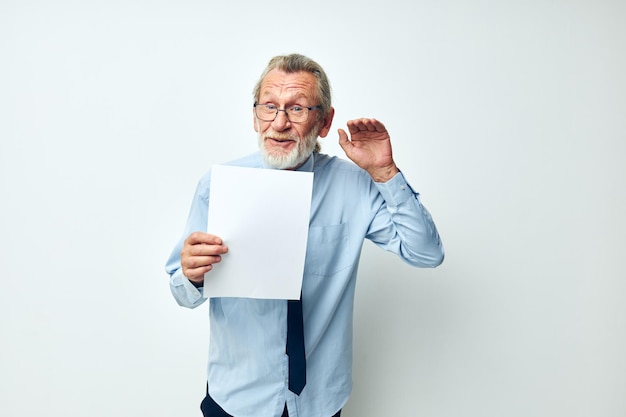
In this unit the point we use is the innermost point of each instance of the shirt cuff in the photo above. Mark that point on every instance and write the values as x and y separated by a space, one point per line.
185 289
396 191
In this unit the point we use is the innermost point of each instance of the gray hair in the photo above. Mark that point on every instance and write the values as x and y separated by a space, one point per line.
297 63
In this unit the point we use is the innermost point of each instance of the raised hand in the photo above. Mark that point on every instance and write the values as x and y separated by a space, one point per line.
369 147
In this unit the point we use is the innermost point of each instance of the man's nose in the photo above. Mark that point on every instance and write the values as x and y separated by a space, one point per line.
281 122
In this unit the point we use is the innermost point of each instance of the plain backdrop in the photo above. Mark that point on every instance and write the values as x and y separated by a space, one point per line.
508 117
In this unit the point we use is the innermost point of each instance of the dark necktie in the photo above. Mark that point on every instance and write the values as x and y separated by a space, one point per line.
295 346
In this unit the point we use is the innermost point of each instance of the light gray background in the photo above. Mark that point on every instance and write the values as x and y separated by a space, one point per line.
507 116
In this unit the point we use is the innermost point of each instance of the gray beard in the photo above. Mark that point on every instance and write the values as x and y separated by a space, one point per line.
304 148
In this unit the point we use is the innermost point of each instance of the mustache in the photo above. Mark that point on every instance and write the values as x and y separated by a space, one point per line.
280 136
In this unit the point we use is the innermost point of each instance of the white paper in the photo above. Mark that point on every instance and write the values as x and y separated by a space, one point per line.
262 215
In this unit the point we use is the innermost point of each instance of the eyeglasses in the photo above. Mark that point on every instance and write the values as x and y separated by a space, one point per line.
295 114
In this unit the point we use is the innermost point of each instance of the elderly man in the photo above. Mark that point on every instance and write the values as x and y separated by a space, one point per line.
252 370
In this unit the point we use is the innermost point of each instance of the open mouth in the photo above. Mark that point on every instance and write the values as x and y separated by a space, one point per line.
281 141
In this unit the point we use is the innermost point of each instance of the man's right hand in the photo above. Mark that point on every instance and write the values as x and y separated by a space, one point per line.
200 251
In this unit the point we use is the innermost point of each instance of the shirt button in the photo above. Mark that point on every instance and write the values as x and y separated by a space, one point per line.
402 187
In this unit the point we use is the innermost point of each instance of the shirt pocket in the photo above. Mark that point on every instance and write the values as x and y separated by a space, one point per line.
328 250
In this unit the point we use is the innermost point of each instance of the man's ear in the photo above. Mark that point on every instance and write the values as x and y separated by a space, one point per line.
328 121
255 121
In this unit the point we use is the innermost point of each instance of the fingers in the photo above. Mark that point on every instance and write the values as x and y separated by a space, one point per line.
365 124
343 139
200 251
205 238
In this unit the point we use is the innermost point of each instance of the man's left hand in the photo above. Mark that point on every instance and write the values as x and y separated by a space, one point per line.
369 147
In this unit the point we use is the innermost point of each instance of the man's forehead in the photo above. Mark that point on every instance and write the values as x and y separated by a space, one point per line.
303 83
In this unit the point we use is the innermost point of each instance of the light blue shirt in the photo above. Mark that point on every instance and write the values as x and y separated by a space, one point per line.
247 369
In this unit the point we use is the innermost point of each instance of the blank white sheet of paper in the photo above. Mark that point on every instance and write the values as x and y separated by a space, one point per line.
262 215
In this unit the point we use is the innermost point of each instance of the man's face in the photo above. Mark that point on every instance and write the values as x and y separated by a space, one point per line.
284 144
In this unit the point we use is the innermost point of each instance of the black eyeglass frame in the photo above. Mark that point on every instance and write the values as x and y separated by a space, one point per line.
286 112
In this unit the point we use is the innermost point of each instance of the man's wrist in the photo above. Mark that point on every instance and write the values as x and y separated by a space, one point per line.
384 174
197 284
